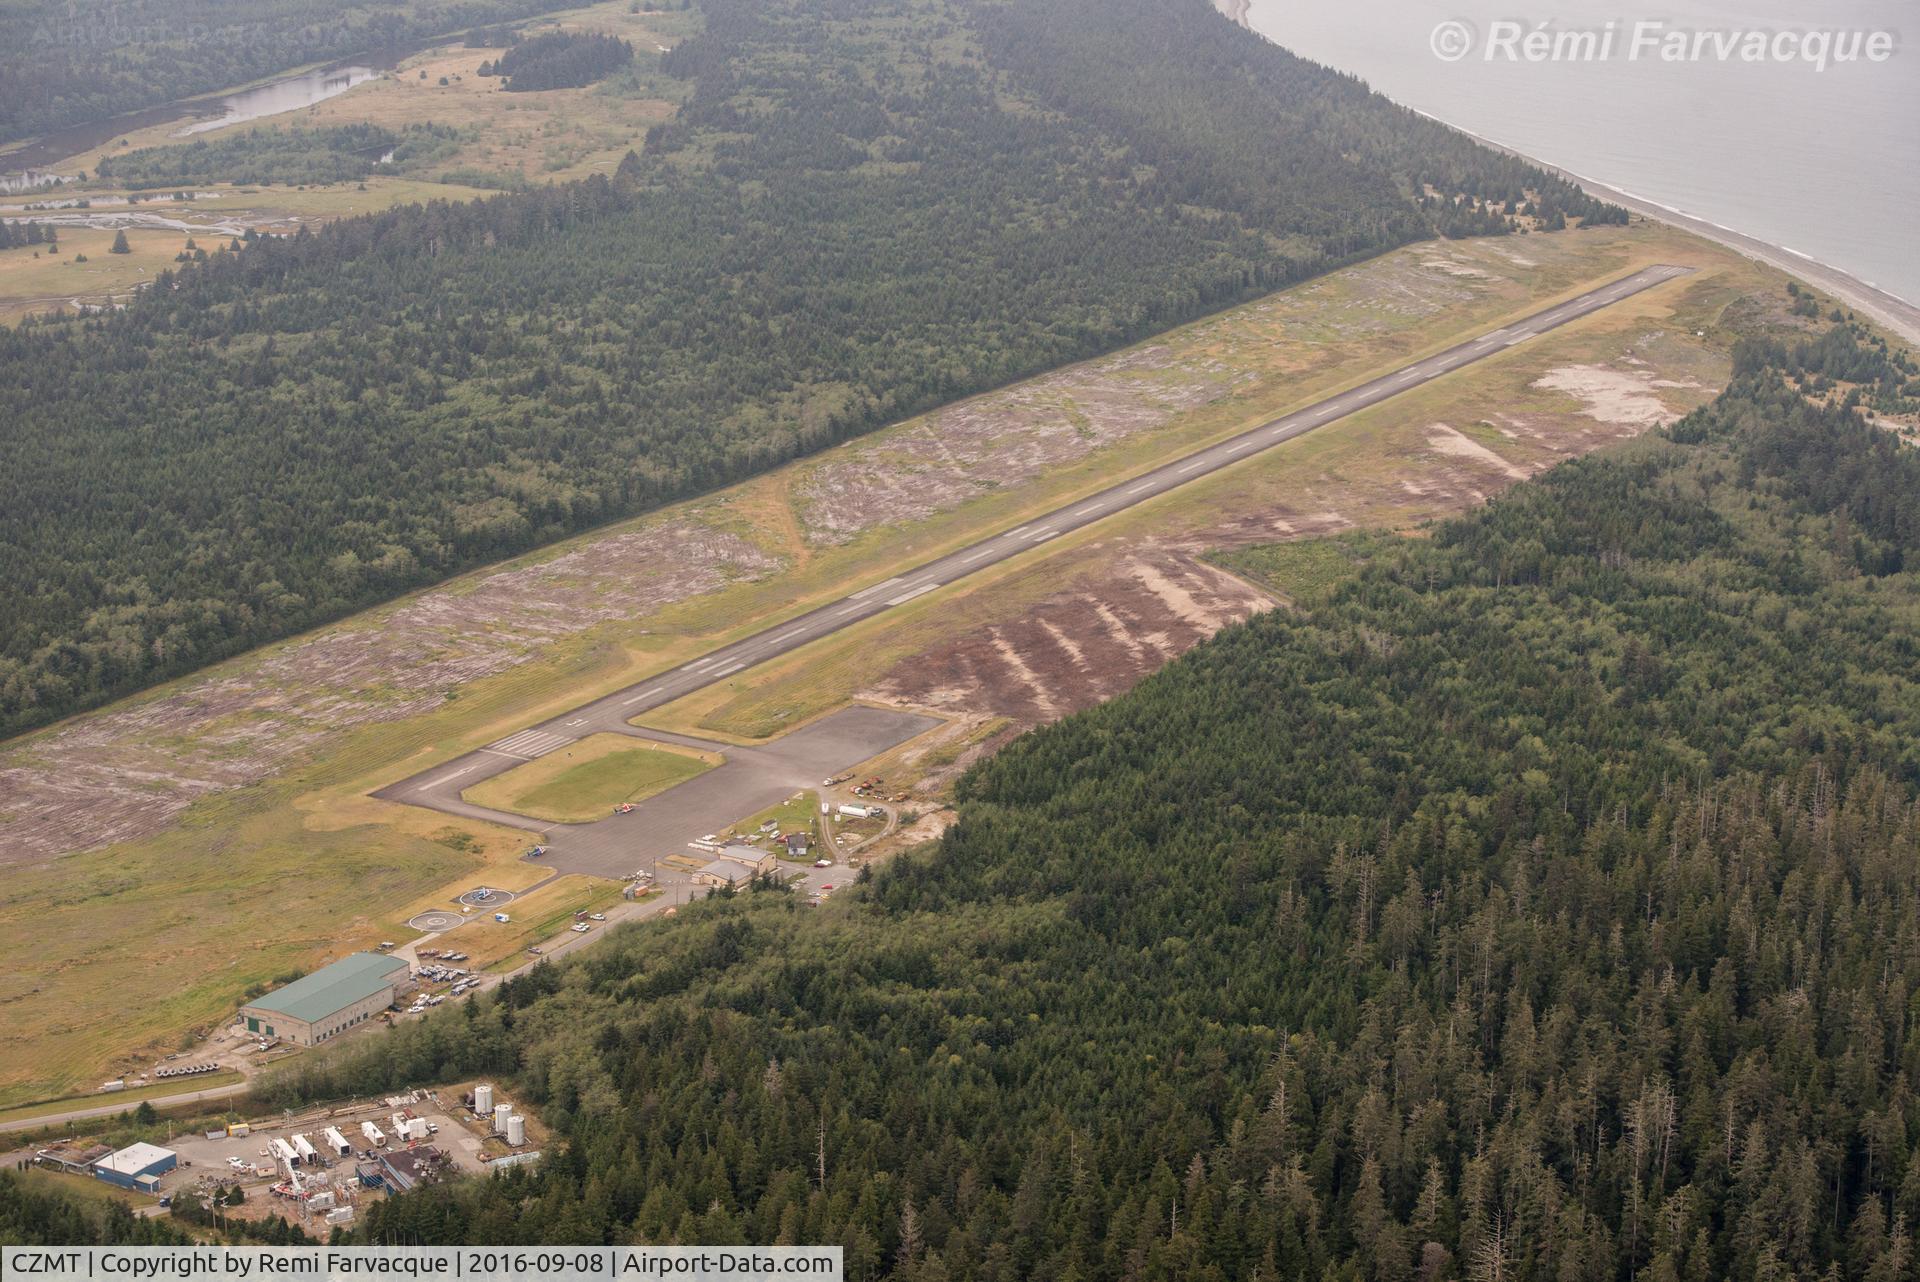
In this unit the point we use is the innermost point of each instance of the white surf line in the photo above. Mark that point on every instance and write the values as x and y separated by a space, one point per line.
447 778
644 694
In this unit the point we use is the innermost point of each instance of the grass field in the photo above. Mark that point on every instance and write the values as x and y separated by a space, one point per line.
798 813
590 778
534 919
300 865
83 1187
130 1098
553 135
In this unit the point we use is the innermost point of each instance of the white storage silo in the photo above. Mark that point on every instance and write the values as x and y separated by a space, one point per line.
483 1100
516 1130
501 1112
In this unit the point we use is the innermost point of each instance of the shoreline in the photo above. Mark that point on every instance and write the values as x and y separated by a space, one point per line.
1890 311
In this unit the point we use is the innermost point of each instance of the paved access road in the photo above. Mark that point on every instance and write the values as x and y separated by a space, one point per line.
440 788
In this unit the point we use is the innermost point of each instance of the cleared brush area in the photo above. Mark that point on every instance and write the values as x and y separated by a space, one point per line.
219 831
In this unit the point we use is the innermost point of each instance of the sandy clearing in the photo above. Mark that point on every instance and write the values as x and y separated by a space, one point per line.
1449 441
1618 396
1453 267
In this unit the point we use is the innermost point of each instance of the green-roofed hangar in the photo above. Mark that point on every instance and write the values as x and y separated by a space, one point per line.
339 996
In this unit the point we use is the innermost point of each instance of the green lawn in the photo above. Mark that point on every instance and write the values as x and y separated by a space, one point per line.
798 813
130 1099
82 1186
588 780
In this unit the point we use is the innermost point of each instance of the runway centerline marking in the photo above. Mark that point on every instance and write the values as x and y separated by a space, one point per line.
940 571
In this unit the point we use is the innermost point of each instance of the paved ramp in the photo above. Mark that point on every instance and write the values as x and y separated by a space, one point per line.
750 780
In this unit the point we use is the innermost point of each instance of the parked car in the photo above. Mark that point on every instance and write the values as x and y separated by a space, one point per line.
823 863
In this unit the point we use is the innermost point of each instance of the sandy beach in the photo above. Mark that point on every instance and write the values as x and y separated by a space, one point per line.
1890 311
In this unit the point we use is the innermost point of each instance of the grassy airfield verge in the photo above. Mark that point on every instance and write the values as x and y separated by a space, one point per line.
137 945
589 778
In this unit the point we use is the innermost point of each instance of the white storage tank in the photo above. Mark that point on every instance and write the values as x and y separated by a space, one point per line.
483 1099
501 1112
516 1130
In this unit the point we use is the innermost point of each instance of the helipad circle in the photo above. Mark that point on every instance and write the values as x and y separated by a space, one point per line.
496 898
436 920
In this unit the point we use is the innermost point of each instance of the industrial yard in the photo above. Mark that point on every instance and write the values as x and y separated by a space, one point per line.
316 1168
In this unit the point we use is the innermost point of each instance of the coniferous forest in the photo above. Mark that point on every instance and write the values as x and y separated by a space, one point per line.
1540 901
559 60
865 208
65 64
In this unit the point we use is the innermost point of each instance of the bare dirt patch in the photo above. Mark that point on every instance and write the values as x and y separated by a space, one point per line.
126 772
1448 441
1078 647
1626 394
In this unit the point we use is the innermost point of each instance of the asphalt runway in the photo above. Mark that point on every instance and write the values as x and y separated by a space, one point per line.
803 757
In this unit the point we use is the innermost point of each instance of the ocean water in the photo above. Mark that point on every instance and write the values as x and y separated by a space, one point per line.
1822 162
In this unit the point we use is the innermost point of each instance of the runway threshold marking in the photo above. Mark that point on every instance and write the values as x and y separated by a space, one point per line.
905 597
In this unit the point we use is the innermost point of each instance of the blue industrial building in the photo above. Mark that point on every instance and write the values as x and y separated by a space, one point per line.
137 1166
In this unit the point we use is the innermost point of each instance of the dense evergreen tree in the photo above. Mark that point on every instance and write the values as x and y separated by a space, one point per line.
338 153
1540 901
21 233
39 1216
560 60
865 208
